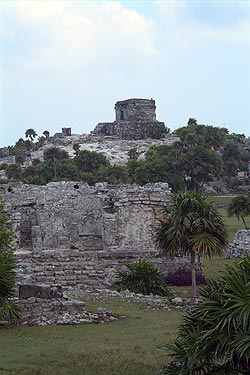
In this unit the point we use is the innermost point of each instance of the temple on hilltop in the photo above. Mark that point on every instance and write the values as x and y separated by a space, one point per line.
134 119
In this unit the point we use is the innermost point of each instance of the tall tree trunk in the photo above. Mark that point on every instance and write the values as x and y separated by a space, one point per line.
193 274
243 219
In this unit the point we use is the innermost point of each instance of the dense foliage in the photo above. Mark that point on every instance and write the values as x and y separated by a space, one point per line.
183 277
214 338
240 207
191 226
8 310
142 277
203 153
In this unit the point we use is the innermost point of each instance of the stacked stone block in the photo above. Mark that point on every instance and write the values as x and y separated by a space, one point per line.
135 119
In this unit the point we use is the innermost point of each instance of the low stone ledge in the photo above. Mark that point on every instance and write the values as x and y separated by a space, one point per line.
42 308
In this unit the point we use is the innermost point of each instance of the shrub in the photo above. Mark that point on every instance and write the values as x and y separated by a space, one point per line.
214 336
142 277
182 277
8 310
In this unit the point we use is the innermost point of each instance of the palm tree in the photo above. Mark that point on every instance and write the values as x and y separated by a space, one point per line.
191 226
54 155
240 207
214 337
46 133
30 133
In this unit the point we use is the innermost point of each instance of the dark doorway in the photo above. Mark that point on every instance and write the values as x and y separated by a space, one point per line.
122 115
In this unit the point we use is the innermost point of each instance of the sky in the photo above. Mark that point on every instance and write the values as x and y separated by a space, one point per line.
66 63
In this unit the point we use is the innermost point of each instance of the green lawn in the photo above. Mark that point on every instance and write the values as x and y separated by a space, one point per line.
232 223
133 345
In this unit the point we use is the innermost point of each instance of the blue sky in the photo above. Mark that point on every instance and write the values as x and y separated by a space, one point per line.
66 63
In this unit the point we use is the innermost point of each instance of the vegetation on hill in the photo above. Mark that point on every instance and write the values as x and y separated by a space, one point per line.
204 152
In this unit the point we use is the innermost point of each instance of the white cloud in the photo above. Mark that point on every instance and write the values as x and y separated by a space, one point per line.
66 35
185 29
171 11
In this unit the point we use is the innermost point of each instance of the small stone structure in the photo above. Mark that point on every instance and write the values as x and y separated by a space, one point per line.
66 131
43 305
135 119
241 244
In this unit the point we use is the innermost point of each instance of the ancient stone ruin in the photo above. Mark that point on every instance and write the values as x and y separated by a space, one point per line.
134 119
241 244
90 219
45 305
77 235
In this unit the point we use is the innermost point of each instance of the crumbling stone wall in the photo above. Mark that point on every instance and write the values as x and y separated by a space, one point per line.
135 110
241 244
91 219
135 119
78 236
78 273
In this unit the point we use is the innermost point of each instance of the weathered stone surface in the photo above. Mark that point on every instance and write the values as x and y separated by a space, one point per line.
30 290
78 273
89 219
135 119
241 245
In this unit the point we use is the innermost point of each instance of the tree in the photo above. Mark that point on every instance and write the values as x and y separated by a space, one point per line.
54 155
113 174
76 148
192 226
133 153
14 172
88 161
192 121
214 336
200 162
46 133
8 310
231 156
240 207
159 130
31 134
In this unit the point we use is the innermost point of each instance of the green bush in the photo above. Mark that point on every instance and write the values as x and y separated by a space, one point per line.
8 310
142 277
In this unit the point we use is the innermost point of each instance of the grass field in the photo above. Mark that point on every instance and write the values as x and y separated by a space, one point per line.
133 345
232 223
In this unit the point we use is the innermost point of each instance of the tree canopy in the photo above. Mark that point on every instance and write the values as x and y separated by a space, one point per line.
191 226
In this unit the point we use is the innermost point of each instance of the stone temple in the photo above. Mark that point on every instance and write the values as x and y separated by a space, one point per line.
134 119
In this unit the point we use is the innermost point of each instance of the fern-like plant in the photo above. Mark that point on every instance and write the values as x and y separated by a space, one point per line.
8 310
214 338
142 277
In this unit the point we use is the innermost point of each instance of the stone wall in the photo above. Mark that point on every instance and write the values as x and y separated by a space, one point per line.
127 129
90 219
77 273
78 236
43 305
241 245
135 110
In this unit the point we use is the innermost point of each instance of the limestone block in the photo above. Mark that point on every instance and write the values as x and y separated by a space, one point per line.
33 290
